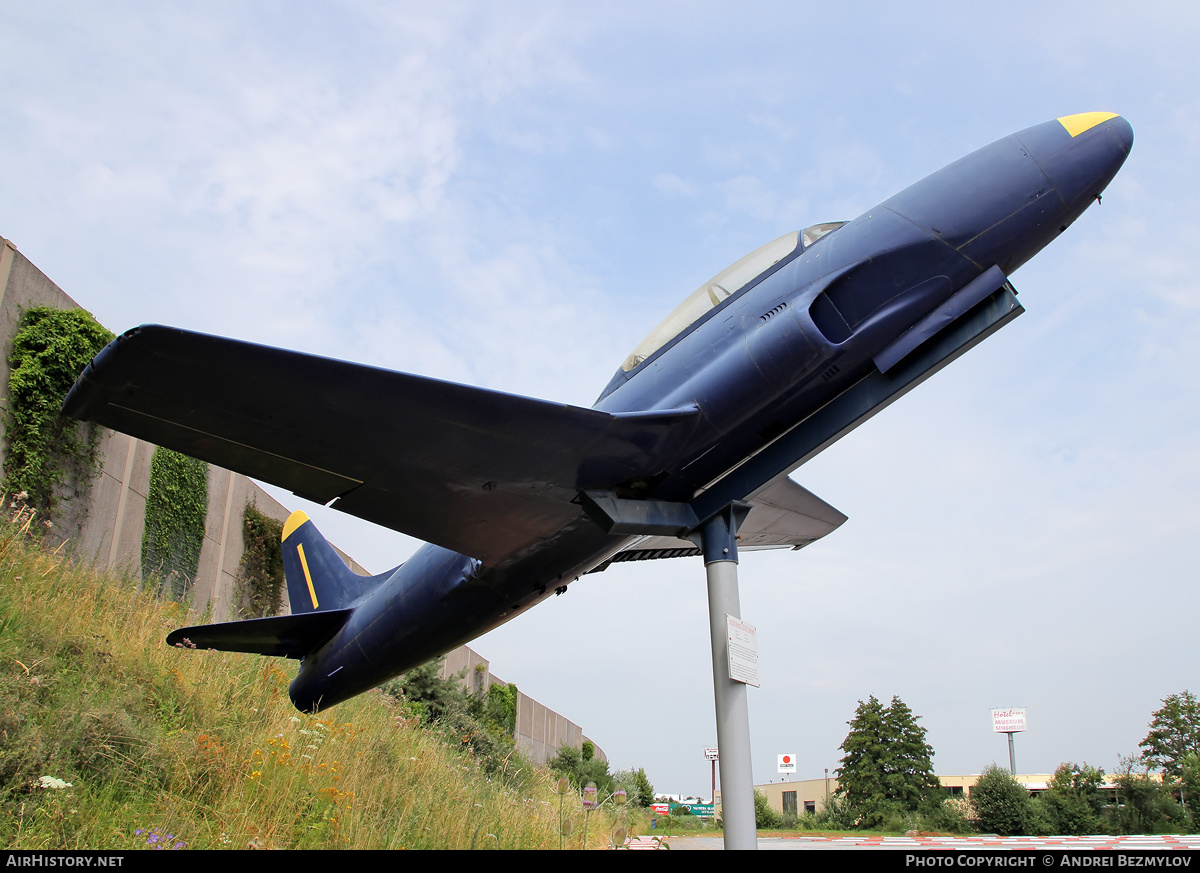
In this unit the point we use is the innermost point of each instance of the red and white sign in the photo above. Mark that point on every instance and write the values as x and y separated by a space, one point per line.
711 755
660 808
787 763
1009 721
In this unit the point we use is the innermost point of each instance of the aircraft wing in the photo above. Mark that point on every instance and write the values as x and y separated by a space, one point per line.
784 515
481 472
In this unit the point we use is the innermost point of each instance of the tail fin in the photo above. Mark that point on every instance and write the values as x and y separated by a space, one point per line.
317 577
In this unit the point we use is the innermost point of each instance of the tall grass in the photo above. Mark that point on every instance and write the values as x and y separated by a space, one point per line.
166 748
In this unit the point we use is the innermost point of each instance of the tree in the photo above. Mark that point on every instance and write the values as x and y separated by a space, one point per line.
888 766
570 762
637 786
1190 786
910 779
1001 804
860 778
431 696
1072 802
1144 805
1174 734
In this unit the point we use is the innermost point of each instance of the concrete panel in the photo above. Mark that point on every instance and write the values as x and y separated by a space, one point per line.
540 731
94 540
241 492
139 475
206 585
128 558
110 536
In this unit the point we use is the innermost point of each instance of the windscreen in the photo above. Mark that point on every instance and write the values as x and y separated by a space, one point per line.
726 283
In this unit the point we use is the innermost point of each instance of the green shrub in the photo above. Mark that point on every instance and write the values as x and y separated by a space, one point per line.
637 786
176 514
764 816
837 814
45 450
1001 804
472 724
570 762
1072 803
260 574
951 815
1145 805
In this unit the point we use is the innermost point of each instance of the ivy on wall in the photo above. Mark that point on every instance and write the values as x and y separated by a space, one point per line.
176 511
260 574
46 450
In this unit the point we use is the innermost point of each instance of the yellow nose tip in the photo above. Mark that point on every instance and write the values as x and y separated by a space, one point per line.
1077 124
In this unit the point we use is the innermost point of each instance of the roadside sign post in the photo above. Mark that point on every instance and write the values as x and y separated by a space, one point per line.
713 755
1010 721
787 764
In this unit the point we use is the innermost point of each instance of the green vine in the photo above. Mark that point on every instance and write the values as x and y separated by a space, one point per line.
260 574
176 512
45 450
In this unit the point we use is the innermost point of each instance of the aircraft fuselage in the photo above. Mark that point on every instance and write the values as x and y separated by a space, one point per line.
756 365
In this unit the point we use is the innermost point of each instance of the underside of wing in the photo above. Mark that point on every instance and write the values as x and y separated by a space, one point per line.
785 515
481 472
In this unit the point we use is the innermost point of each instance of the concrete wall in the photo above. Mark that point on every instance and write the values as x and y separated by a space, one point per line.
102 521
540 730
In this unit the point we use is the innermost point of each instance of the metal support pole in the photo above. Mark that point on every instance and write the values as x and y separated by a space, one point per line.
1012 753
718 540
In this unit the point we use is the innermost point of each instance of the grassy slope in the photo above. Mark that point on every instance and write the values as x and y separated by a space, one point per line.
206 746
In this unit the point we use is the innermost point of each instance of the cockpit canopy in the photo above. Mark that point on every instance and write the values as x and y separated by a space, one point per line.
724 285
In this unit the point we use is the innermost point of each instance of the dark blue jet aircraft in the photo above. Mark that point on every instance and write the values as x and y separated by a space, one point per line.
761 368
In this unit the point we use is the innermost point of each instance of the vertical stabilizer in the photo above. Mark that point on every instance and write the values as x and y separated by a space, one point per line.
317 577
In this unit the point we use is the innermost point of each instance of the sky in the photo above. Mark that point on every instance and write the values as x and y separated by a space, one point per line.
511 195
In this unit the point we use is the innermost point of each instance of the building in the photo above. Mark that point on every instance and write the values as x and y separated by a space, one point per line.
809 795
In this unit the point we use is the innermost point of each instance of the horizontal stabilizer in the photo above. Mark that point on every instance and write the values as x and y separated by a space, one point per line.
782 515
480 472
285 636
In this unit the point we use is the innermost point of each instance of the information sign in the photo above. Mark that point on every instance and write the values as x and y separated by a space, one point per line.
743 651
1009 721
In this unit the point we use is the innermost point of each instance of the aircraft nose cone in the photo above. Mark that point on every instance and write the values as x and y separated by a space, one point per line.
1072 160
1122 131
1115 125
1080 154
